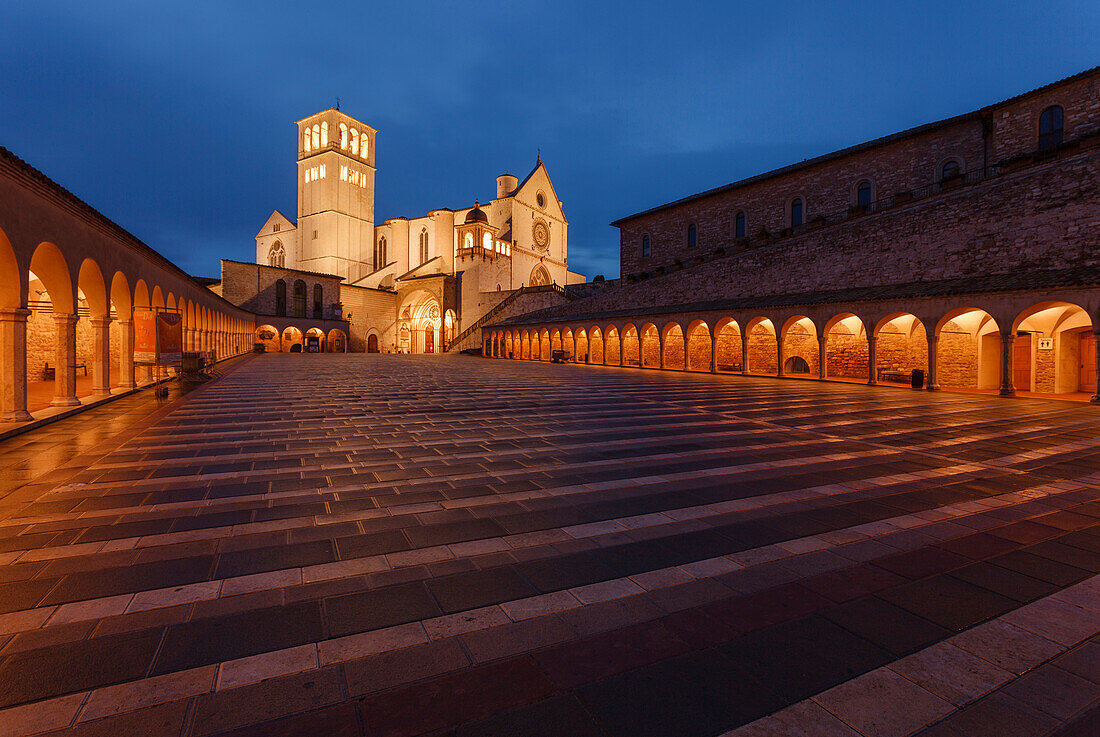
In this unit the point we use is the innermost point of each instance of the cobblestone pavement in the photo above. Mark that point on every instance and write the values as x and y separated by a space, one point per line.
387 545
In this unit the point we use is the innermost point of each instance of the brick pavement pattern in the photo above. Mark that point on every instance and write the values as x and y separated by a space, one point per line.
385 545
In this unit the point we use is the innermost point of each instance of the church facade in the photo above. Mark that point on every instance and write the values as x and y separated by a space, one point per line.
407 284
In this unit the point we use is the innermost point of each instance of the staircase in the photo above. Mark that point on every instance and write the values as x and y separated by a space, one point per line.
461 339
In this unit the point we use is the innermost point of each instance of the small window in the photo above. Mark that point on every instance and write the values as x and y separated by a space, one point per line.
380 254
796 212
693 236
1050 128
305 140
318 302
739 227
951 168
354 142
324 133
277 227
863 193
424 245
344 136
280 298
316 136
363 145
645 246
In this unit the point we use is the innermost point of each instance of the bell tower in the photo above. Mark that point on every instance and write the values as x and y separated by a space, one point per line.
335 195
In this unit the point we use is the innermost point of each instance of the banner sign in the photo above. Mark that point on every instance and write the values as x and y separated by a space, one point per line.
169 337
145 336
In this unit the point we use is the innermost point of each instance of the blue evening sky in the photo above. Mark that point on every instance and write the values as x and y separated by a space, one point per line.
175 120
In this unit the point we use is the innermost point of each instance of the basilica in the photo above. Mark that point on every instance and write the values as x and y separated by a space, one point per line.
407 284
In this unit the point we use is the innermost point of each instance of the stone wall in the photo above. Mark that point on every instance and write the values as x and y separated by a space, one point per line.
828 186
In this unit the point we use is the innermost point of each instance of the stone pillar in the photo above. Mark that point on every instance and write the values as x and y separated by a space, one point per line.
13 365
126 354
872 360
101 356
779 353
1096 339
661 349
1007 387
190 339
931 381
745 353
821 368
65 362
713 353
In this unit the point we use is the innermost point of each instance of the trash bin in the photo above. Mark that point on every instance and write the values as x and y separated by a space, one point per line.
917 380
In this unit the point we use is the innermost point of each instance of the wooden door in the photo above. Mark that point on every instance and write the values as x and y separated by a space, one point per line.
1021 363
1088 363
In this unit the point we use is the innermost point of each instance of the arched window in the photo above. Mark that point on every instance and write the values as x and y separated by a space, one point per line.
324 133
276 257
951 168
863 193
487 242
796 212
739 225
363 145
424 245
305 140
355 142
645 246
316 136
380 254
344 136
280 298
318 302
692 236
299 298
468 241
1050 128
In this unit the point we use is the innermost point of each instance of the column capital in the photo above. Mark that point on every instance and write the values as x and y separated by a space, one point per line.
102 321
66 317
14 314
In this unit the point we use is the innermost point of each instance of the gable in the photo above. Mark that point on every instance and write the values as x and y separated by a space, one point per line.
281 220
539 180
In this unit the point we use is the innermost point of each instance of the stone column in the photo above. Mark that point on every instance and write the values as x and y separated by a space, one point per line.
126 354
713 353
65 361
661 349
872 360
1096 339
931 381
101 358
745 353
1007 387
779 354
13 365
821 368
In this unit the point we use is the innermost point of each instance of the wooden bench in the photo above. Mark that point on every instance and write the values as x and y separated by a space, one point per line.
900 377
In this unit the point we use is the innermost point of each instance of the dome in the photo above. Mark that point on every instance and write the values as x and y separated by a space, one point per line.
476 215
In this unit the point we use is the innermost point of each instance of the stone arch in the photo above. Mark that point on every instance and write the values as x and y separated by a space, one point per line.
729 347
319 334
157 297
762 347
291 340
540 277
568 344
673 348
555 340
968 351
800 341
650 338
268 336
524 344
613 347
1055 348
630 349
13 336
580 345
93 288
544 345
846 348
49 266
698 346
901 345
373 342
51 329
595 345
12 280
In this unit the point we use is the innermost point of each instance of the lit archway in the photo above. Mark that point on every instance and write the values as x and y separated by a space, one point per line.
1054 350
595 345
763 347
846 347
698 346
968 351
729 350
901 346
631 349
800 347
